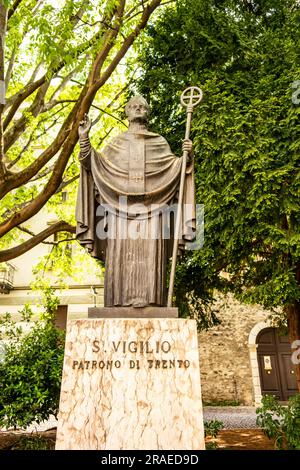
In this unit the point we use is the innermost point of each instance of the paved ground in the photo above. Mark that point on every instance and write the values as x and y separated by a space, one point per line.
241 417
231 439
232 416
242 439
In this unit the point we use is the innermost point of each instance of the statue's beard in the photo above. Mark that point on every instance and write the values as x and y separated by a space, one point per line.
139 120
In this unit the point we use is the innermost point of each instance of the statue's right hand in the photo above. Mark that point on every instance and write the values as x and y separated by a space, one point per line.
84 127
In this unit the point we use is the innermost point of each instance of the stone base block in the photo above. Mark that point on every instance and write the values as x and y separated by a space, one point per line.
131 312
131 384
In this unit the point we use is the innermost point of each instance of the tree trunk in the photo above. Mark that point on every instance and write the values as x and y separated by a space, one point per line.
3 21
293 317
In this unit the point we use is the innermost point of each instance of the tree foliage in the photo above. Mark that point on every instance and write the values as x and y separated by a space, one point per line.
279 422
58 60
246 57
31 366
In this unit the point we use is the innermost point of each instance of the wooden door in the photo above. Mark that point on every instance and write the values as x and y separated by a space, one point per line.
276 370
61 315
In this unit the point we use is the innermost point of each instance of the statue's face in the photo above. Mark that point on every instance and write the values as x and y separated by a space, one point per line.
137 111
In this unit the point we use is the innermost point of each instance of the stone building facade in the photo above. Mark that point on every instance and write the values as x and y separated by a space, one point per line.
228 354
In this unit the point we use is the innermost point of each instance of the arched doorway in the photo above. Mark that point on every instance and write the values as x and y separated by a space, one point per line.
276 370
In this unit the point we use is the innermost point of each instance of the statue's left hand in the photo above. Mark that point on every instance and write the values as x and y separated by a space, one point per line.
187 146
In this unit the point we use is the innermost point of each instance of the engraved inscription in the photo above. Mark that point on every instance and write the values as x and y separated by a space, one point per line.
141 349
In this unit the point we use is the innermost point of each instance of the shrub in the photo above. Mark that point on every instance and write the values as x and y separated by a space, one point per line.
33 442
279 422
222 403
31 369
212 429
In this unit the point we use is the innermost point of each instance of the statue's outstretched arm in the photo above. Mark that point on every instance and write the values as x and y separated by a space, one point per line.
84 142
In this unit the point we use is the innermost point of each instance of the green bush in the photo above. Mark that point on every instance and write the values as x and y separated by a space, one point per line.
30 369
33 442
212 429
279 422
222 403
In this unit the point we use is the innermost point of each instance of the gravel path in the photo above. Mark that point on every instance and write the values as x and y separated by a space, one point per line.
232 416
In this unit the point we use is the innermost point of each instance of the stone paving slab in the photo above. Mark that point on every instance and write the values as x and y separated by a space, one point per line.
243 417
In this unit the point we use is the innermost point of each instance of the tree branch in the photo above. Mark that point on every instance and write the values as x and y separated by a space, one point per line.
10 67
35 108
51 104
64 82
80 108
29 232
13 8
17 99
18 158
109 114
17 179
19 250
68 135
19 126
42 174
17 47
133 13
62 186
33 138
128 42
10 212
106 135
108 40
3 24
111 103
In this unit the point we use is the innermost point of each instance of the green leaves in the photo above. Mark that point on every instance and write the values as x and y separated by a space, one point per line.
30 373
281 423
245 56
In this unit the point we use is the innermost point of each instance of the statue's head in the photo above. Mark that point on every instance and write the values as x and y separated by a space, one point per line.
137 109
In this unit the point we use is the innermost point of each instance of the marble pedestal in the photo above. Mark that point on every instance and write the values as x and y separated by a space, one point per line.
131 384
130 312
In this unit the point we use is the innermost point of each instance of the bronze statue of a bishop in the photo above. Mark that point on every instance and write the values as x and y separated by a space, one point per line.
126 196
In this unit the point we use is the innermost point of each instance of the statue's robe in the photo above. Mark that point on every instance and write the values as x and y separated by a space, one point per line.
140 168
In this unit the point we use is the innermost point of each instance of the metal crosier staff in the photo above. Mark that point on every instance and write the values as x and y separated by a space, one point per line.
189 99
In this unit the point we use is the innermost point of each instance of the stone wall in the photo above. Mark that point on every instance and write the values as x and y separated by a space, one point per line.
226 373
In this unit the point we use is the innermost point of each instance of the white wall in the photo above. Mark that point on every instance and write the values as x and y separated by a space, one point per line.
79 295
